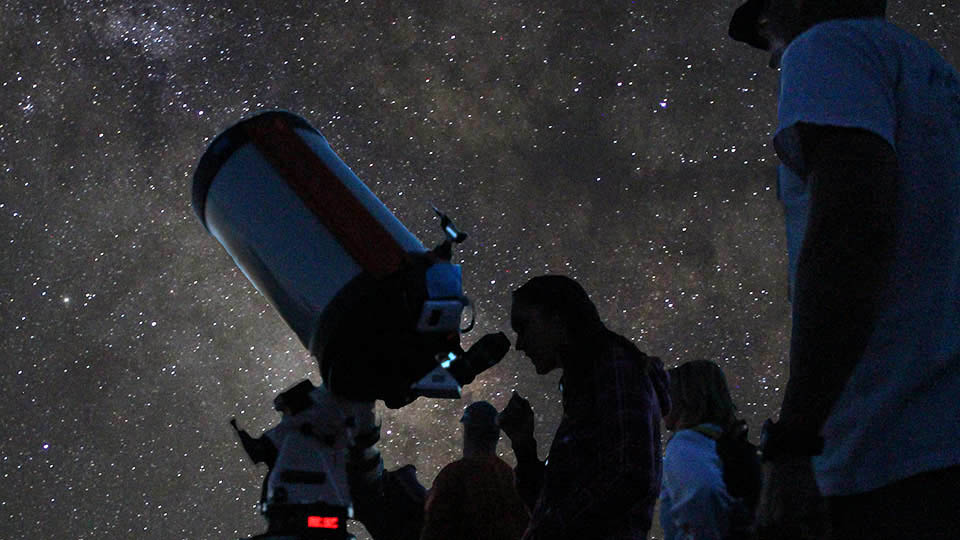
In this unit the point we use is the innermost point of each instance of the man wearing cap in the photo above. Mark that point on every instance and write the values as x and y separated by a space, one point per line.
475 497
869 140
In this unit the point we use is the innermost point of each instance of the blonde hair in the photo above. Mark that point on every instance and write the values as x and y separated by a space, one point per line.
699 392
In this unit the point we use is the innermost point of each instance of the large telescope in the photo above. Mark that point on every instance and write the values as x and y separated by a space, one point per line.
381 313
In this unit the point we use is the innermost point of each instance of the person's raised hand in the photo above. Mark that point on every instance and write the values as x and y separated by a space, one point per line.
516 420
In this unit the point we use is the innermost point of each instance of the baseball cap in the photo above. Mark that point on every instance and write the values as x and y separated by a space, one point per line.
480 413
744 27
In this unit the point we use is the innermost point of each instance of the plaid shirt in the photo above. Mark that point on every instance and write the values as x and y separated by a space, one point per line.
602 477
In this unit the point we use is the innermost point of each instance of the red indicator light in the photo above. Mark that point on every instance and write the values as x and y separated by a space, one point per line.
322 522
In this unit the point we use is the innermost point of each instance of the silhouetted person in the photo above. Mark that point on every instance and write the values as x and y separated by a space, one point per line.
711 474
475 498
602 477
869 140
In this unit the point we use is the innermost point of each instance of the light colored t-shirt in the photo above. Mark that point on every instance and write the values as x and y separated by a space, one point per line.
899 414
694 503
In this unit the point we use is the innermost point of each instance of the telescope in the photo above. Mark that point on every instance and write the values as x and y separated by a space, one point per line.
381 313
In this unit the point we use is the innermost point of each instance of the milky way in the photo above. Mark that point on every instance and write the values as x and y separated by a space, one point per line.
623 143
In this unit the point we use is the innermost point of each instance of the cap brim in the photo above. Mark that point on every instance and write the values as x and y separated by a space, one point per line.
744 24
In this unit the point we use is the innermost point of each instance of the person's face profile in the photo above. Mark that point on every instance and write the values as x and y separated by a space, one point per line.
537 336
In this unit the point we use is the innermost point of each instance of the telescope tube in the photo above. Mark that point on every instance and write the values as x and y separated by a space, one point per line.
337 265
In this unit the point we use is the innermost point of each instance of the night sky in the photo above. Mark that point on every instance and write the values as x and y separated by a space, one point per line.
626 144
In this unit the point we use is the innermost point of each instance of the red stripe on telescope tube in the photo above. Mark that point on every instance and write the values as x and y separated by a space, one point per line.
327 197
322 522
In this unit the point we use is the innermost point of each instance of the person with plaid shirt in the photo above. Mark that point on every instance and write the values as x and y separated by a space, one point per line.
602 477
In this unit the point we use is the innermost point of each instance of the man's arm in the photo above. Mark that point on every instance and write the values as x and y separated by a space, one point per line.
622 470
517 421
843 265
529 474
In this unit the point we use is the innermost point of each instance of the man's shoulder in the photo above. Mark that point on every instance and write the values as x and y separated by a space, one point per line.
468 471
689 440
616 358
618 348
471 464
619 354
452 469
837 33
626 378
500 468
690 454
855 28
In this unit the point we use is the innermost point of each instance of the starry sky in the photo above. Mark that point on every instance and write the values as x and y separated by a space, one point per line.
623 143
